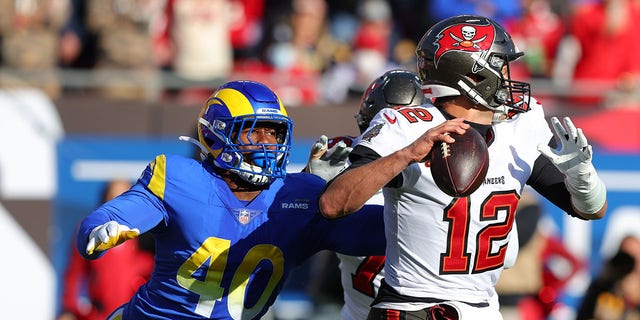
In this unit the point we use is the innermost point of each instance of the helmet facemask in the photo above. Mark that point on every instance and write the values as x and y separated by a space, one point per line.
510 95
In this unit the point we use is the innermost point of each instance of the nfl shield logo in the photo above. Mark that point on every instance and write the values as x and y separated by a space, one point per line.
244 216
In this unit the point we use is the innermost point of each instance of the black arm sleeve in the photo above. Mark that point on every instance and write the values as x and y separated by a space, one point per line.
548 181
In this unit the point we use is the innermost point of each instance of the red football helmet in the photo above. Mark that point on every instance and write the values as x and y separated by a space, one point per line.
470 55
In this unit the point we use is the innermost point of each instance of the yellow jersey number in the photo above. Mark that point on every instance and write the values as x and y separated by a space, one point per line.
216 251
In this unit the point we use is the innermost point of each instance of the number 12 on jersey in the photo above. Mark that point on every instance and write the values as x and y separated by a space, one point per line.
457 259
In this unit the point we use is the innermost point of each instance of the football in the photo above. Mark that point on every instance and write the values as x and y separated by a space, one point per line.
459 168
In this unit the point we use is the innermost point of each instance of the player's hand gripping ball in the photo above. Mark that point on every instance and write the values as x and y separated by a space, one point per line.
459 168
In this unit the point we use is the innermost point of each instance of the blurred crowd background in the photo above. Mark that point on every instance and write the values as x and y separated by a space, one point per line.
112 82
580 53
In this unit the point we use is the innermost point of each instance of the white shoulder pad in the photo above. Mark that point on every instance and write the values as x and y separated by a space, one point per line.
393 129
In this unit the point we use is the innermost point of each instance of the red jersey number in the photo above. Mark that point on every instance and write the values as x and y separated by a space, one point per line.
413 114
457 259
367 271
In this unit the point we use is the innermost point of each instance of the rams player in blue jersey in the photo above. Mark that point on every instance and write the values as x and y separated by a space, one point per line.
230 228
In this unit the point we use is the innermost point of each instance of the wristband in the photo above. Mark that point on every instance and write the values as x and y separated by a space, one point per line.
588 201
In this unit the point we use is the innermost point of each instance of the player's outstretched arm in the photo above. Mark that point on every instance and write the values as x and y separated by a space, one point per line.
349 191
108 236
125 217
326 162
573 159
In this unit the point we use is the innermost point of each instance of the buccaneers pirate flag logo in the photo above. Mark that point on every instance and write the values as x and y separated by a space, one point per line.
464 37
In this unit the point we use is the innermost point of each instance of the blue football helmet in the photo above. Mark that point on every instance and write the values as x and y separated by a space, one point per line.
234 107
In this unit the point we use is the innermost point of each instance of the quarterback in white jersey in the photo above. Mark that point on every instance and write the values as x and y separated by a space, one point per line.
429 215
444 254
361 276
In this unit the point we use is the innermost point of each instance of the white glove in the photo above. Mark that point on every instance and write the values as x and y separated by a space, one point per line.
108 236
574 160
328 163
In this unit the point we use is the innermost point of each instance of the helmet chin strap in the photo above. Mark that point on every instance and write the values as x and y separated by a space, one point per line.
500 113
249 176
251 172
